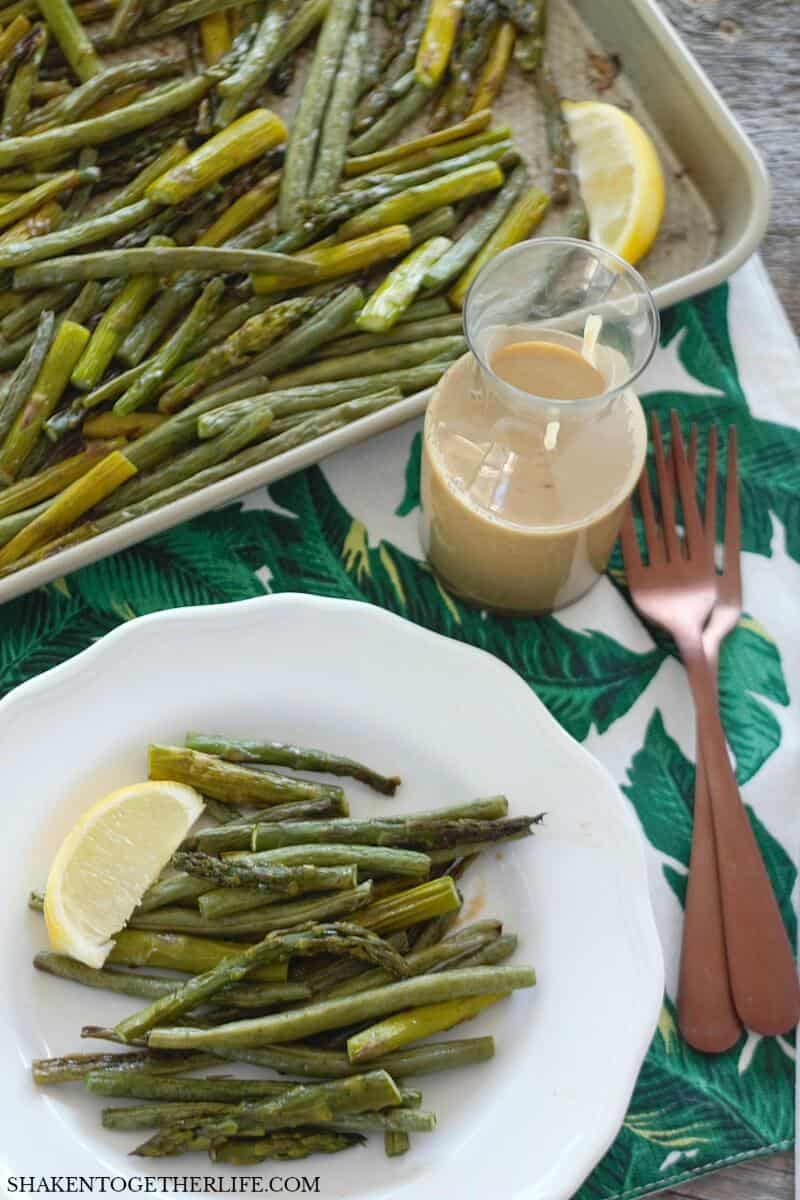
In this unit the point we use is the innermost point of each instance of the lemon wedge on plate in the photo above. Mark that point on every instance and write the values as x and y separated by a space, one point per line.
109 859
620 177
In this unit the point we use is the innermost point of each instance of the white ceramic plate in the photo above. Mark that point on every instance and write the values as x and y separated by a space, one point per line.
456 723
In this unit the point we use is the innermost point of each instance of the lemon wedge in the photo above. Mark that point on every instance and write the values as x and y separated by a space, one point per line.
109 859
620 177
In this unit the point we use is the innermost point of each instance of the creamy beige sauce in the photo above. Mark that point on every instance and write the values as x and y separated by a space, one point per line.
508 523
548 370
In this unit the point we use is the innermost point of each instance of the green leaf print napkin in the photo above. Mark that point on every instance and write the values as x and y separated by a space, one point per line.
349 529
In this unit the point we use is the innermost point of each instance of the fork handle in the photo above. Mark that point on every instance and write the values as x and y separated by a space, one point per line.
761 966
706 1013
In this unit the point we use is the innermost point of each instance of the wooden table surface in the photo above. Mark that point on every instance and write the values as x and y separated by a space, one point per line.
752 53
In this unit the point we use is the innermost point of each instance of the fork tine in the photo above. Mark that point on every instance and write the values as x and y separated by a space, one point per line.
629 543
692 451
733 517
710 514
695 542
652 534
666 494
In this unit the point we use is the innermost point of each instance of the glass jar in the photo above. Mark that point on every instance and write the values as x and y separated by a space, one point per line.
535 439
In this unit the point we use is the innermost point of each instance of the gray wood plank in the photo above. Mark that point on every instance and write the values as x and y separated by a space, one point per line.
751 51
760 1179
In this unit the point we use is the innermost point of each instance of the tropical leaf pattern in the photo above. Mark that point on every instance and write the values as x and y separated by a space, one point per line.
410 500
688 1112
661 787
688 1107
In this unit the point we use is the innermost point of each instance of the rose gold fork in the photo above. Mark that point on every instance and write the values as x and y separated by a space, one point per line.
677 590
706 1013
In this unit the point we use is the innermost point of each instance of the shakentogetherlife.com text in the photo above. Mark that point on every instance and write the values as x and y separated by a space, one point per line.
289 1185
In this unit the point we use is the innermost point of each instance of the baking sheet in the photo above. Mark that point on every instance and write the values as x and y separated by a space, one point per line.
682 260
688 236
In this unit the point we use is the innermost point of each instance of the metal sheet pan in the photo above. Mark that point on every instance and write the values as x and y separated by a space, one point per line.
716 213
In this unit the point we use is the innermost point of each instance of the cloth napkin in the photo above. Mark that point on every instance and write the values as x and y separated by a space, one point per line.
349 529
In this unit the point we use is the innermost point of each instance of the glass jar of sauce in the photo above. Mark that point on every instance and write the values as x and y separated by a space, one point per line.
535 439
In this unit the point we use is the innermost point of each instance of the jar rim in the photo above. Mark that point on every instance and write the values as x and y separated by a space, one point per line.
587 404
